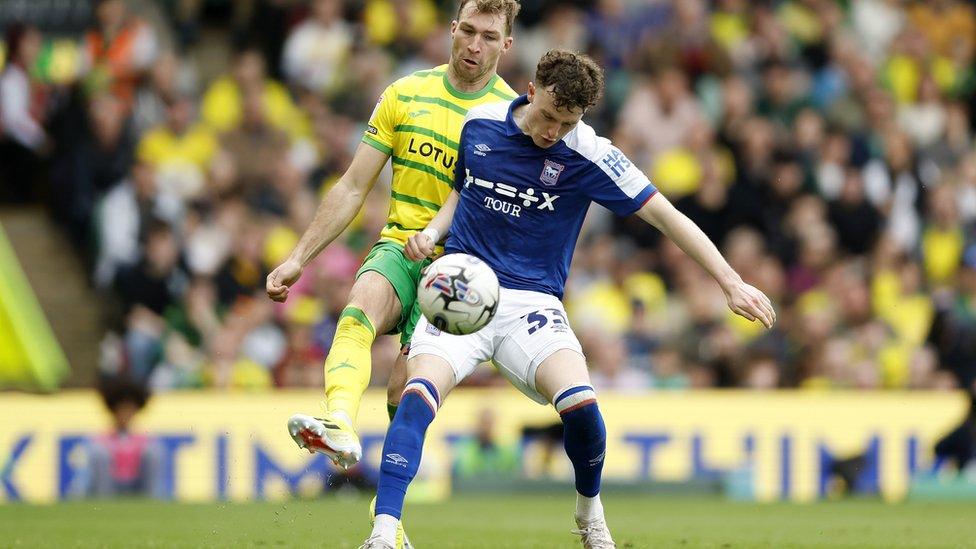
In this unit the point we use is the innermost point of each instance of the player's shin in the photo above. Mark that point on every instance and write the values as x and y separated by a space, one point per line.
348 366
404 443
585 440
398 380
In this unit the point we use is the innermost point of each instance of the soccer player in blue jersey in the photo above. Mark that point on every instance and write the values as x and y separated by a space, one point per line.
526 174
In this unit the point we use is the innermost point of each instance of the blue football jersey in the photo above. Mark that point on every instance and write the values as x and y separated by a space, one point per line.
522 206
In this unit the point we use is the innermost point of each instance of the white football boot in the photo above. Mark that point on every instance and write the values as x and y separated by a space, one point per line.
594 534
376 542
326 435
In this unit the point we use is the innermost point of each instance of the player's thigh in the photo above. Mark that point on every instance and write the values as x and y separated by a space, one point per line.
460 355
373 294
434 369
540 337
393 279
563 368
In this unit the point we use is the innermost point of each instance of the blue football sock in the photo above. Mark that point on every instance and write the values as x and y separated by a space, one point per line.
404 444
584 436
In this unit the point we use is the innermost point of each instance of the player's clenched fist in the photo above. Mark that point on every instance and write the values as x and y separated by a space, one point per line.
281 278
419 246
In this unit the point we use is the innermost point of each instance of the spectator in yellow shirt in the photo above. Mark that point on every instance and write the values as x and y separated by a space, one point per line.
399 24
223 103
179 149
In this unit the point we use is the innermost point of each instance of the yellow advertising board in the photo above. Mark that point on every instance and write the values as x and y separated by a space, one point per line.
235 446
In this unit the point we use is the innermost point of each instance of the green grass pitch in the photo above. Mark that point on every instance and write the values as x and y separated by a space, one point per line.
492 521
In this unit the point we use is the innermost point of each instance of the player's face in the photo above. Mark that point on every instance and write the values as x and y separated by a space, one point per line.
478 40
545 123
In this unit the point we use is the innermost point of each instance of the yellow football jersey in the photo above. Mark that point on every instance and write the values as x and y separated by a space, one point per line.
417 121
197 146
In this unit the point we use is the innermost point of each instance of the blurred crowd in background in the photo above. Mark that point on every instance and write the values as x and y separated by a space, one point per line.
825 146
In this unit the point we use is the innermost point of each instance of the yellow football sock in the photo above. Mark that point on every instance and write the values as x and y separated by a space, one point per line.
348 366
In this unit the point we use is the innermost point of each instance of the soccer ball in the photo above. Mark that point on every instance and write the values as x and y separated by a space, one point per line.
458 293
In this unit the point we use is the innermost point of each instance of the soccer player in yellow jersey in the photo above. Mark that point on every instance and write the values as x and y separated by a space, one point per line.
416 123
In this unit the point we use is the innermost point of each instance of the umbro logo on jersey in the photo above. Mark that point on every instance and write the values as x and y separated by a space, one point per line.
481 149
396 459
421 112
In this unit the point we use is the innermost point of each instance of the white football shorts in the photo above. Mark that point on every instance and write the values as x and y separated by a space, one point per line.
527 329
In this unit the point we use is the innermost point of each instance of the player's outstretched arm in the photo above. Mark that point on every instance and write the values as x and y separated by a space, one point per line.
421 244
335 212
743 299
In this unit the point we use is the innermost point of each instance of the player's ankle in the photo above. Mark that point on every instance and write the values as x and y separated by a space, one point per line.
588 509
341 415
385 527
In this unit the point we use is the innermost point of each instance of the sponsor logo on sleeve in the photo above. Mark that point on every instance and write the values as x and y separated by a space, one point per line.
616 162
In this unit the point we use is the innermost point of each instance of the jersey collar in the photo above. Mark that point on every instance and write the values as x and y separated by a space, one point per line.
510 125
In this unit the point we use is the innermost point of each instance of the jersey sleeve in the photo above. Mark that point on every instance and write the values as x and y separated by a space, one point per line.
620 186
379 129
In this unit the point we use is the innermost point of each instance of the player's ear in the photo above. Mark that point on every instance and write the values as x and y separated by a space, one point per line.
454 25
530 95
507 44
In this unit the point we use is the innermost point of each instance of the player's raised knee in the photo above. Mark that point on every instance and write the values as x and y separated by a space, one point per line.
573 397
423 389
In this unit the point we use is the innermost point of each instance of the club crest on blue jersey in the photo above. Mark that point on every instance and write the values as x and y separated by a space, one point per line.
550 172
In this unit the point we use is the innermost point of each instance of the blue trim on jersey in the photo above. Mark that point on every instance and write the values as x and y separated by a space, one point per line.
522 206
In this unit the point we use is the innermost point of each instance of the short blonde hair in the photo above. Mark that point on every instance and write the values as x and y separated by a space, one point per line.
510 8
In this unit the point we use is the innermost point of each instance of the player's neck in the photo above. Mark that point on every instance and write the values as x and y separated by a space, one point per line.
466 86
518 116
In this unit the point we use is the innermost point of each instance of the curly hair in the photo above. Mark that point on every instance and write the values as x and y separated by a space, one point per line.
510 8
576 80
